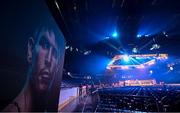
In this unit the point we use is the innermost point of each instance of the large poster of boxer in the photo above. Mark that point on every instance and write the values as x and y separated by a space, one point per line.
32 57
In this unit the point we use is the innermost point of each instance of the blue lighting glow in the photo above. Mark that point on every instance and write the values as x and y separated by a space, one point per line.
126 58
115 34
107 37
171 68
138 36
154 24
111 62
151 72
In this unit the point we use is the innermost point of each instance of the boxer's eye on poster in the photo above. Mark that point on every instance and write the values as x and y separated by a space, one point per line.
44 43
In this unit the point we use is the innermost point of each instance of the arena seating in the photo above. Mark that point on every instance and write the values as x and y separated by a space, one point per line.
138 98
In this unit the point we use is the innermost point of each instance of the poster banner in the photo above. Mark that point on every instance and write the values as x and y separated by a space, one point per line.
32 56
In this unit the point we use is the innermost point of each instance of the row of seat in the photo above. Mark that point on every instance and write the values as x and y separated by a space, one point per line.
147 98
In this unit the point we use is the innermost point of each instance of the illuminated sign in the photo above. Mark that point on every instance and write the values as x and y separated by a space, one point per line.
146 60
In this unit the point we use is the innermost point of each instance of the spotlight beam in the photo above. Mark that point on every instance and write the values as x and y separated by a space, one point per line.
126 58
114 47
145 45
136 61
132 60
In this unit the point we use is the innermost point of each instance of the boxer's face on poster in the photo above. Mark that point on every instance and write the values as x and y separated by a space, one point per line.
45 61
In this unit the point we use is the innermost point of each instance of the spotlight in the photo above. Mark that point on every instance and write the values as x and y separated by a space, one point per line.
138 36
108 67
164 32
134 50
126 58
111 62
155 46
67 47
77 49
71 48
107 37
69 73
88 77
115 34
87 52
171 68
151 72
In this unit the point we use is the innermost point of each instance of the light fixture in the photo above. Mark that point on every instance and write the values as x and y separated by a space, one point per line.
67 47
134 50
171 68
87 52
115 34
126 58
151 72
138 36
107 37
69 73
71 48
164 32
